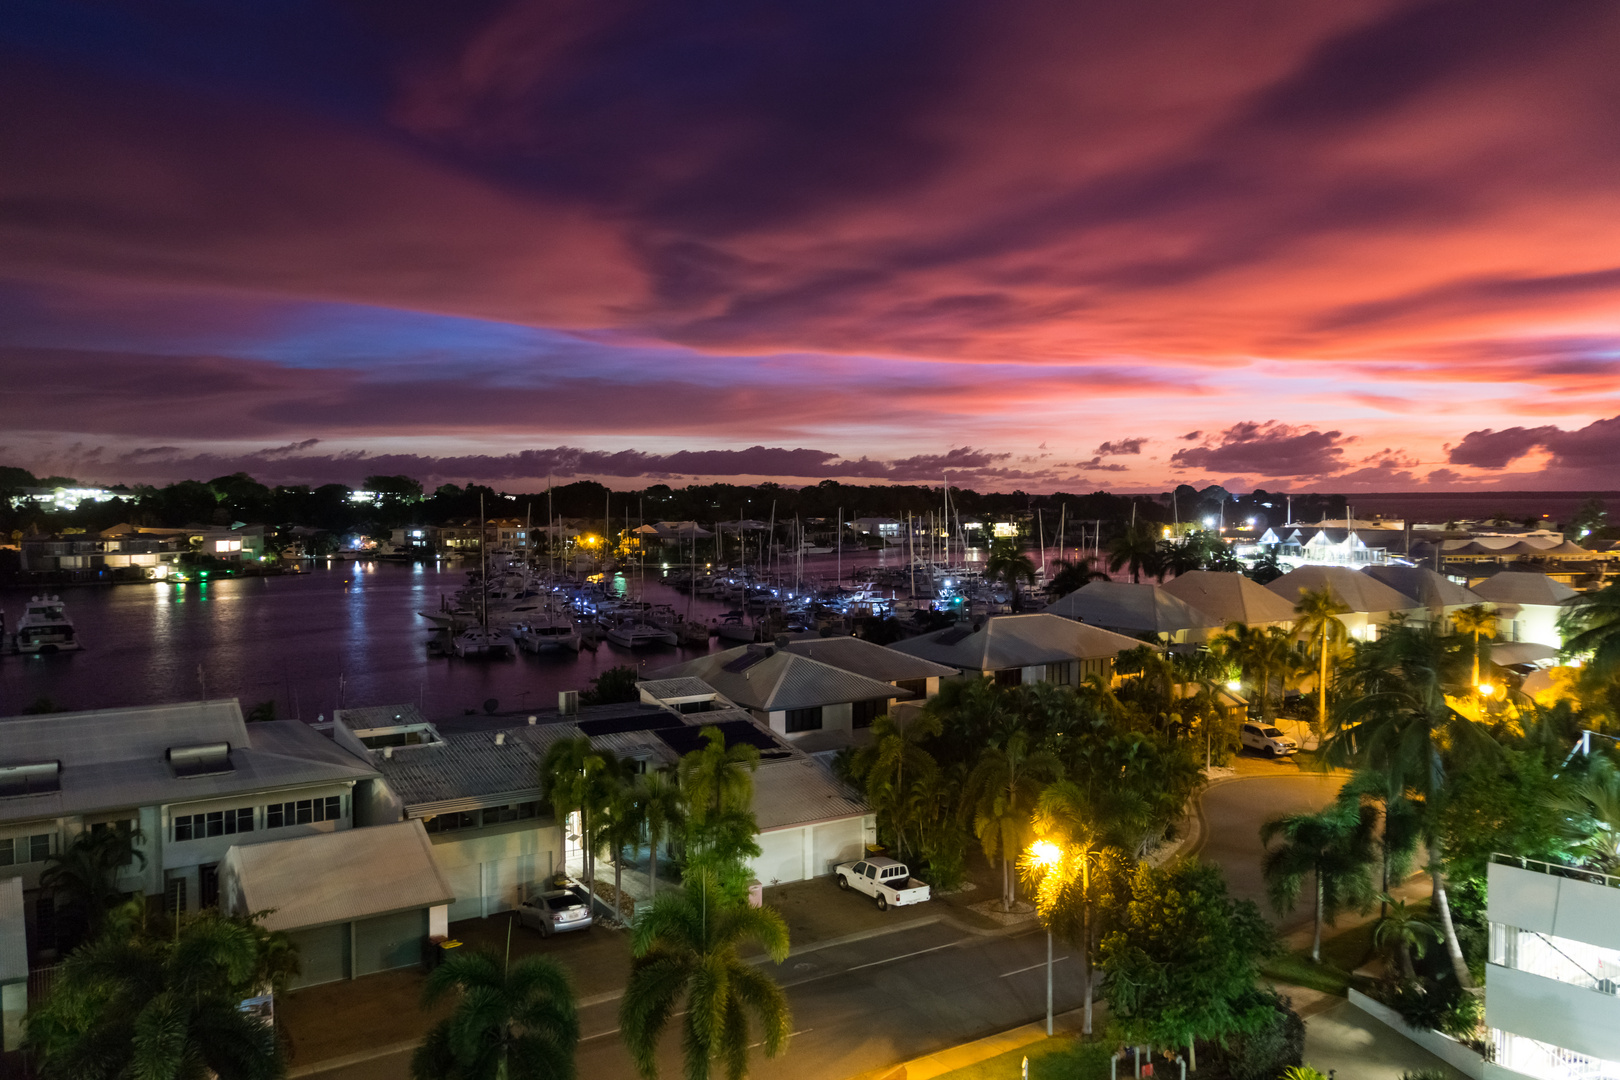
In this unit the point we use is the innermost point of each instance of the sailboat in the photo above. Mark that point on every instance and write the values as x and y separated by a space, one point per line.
481 640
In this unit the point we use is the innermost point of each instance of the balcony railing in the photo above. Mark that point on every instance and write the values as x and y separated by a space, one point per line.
1541 866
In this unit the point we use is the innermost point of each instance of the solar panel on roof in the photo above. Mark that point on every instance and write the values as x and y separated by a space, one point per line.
618 725
748 659
683 740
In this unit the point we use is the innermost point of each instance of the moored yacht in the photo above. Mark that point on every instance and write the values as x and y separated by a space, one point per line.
45 627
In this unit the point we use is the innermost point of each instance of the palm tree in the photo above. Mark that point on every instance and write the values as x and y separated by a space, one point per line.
572 780
511 1021
1318 622
1592 625
1477 621
623 819
664 811
1385 791
1007 562
1265 657
687 961
1138 550
1395 718
1589 815
86 874
1266 569
1403 932
1333 847
148 1001
1002 791
718 778
891 765
1068 874
1072 576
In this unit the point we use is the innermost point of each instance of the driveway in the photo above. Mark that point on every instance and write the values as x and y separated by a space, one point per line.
1233 811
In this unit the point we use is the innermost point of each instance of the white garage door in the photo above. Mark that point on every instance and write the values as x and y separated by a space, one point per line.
836 842
782 857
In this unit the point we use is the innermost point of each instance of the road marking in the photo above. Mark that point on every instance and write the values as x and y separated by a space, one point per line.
1031 967
754 1046
902 956
615 1031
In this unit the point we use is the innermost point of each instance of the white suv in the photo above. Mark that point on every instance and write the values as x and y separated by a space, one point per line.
1268 740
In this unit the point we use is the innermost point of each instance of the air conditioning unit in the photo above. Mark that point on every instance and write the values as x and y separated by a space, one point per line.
568 702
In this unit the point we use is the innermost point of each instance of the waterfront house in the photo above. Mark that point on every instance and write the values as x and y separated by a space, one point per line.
1372 604
1229 597
1439 597
189 781
788 691
353 902
1528 605
1019 649
1141 610
912 674
474 783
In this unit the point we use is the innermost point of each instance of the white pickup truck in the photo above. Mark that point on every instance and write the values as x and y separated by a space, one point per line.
886 880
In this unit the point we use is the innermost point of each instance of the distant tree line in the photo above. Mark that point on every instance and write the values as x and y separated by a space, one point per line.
404 501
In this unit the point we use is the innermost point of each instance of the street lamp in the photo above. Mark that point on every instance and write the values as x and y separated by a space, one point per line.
1049 858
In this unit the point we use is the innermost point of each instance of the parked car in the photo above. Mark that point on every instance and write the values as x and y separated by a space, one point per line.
887 881
557 910
1267 740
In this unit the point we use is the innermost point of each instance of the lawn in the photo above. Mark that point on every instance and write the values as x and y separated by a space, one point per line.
1341 954
1057 1058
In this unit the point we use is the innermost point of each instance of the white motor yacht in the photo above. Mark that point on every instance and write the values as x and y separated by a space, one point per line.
45 627
547 631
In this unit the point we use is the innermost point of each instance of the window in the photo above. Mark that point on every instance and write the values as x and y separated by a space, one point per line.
1059 673
918 687
303 812
213 823
16 850
804 719
863 713
1010 677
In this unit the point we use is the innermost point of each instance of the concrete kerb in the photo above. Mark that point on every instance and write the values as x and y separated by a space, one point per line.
971 1053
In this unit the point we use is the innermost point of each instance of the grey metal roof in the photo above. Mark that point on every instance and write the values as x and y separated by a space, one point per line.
470 765
671 689
376 716
780 680
1353 589
864 658
13 932
1434 591
102 736
1517 587
110 762
335 877
1009 641
801 791
1227 596
1131 607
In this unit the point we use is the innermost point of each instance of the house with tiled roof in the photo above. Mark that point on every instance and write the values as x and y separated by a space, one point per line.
1019 649
1137 609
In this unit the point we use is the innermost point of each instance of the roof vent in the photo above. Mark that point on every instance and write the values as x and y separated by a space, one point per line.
388 753
204 759
500 738
533 719
34 779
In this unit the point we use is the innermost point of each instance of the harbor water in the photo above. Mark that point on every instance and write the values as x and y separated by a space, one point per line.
334 635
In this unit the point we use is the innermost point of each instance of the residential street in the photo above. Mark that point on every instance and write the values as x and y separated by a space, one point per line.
893 997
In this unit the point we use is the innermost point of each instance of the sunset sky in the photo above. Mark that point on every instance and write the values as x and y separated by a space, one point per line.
1066 245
